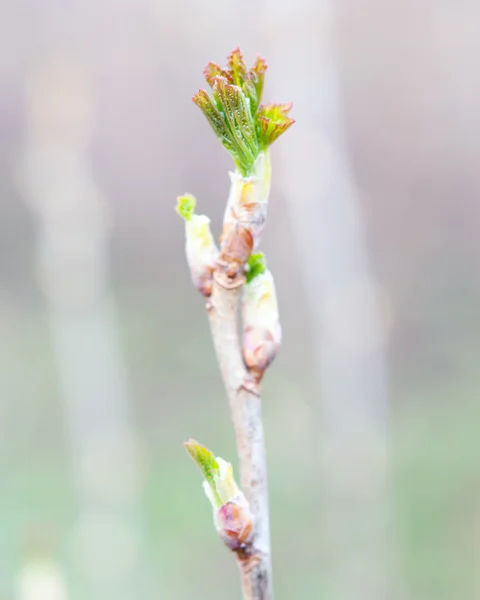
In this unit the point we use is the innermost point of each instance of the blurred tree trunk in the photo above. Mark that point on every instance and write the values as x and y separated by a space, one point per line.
73 269
344 300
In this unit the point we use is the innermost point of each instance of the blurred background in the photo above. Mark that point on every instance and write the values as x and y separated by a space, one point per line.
106 364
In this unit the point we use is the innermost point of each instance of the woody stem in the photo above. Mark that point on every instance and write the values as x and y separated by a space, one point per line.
245 406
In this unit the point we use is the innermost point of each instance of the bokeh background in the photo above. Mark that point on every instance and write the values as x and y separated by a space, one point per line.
106 365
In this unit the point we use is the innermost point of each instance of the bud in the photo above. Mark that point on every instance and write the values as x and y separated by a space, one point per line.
244 126
262 332
234 523
231 512
200 246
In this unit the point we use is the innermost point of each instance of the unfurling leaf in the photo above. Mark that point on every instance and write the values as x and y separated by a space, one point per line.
274 121
253 85
237 66
238 120
216 120
213 70
208 465
221 487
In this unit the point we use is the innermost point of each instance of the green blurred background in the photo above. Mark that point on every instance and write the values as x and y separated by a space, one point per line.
100 327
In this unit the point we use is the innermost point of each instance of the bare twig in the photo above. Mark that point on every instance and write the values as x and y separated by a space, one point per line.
245 406
246 128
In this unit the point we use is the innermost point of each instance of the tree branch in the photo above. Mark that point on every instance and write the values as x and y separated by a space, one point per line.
246 128
246 410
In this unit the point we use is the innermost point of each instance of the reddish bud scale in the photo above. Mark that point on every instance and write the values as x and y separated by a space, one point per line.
236 246
234 524
204 282
259 350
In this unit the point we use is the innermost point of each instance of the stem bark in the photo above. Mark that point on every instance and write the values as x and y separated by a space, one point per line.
245 405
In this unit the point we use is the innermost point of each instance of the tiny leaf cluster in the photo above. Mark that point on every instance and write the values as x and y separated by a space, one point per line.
233 110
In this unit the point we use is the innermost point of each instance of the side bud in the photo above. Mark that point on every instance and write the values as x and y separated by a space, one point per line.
262 332
200 246
231 512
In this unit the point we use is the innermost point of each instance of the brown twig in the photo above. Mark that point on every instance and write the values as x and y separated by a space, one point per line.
245 406
246 128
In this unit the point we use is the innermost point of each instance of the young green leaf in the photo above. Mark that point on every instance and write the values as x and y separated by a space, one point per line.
239 121
253 85
256 265
208 465
237 66
274 120
215 118
219 484
186 206
243 126
213 70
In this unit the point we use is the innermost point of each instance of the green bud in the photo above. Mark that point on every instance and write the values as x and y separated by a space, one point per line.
231 512
186 206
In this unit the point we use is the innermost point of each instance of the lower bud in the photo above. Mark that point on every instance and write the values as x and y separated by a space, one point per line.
231 512
234 523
